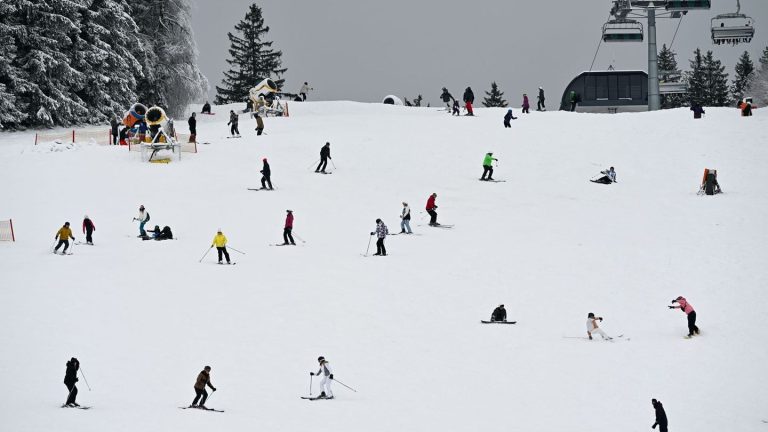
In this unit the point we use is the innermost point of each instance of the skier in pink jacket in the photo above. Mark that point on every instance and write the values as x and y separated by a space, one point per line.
686 307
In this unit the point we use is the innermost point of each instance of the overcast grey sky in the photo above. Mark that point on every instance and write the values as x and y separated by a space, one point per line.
363 50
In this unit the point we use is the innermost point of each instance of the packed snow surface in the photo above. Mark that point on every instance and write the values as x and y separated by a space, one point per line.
144 317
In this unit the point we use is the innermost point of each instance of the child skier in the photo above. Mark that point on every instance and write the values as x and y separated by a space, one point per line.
405 219
63 235
455 108
381 233
507 117
233 119
327 374
526 104
287 236
88 229
266 173
488 166
592 327
203 379
447 98
499 314
70 378
431 206
540 103
220 241
686 307
143 218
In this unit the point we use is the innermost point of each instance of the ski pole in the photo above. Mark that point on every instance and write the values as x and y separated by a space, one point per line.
206 253
70 394
313 163
334 165
86 381
298 237
53 245
236 250
369 244
345 385
310 383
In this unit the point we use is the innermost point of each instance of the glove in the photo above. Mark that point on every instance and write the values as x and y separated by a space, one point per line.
435 207
373 233
601 319
73 239
214 389
671 307
330 376
312 373
654 426
77 379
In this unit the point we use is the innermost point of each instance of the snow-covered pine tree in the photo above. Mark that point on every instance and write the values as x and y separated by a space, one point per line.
696 80
252 59
11 113
495 97
745 72
171 77
758 87
669 72
717 81
764 58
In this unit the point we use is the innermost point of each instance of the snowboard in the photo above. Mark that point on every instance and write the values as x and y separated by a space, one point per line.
405 234
201 409
498 322
614 339
281 244
84 243
316 398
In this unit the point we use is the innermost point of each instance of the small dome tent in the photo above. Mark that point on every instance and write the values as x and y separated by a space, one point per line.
392 100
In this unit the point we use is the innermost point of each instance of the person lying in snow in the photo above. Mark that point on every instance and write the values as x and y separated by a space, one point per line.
608 177
157 234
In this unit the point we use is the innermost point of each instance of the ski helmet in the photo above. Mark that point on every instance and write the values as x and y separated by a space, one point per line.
321 358
590 315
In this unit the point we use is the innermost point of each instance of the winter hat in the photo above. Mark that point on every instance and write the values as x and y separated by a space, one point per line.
66 223
501 305
378 220
141 207
86 217
289 211
541 88
219 231
321 359
590 315
265 159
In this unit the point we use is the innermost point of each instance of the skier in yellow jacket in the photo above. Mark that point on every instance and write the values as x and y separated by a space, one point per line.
63 235
220 241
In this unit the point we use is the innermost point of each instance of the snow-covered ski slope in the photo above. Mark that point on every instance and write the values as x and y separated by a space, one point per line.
144 317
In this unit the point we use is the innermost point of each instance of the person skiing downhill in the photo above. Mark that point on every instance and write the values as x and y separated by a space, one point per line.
507 117
327 374
203 379
431 206
70 378
447 98
686 307
220 241
233 120
540 102
405 219
592 327
88 229
526 104
380 233
661 416
63 235
287 236
499 314
143 218
469 99
488 166
325 154
266 174
304 90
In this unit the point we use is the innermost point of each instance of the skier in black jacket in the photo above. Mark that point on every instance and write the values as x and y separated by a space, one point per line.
447 98
70 378
325 154
469 99
661 416
540 103
266 172
507 117
192 122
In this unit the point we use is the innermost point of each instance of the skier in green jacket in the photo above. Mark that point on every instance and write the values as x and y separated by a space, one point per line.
488 166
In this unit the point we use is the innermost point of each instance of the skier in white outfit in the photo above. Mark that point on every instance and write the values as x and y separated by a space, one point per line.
592 327
327 374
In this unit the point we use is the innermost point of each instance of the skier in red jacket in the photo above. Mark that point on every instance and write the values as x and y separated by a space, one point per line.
431 206
287 236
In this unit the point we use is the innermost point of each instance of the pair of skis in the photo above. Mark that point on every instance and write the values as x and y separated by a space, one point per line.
312 398
201 409
498 322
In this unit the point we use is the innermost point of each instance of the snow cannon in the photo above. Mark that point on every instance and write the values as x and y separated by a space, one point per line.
392 100
155 116
264 88
134 115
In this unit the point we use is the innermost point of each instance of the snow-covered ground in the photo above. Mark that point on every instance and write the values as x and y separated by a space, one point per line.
144 317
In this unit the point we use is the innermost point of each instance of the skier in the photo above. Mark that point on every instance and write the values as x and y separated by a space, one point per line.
259 124
304 90
220 241
325 154
143 218
288 227
233 119
70 378
266 173
63 235
499 314
114 132
455 108
540 102
469 99
507 117
192 122
431 206
592 327
609 176
488 166
686 307
526 104
574 98
88 229
327 374
661 416
447 98
206 108
405 219
697 110
203 379
381 233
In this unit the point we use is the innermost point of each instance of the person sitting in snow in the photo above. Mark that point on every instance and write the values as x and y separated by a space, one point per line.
592 327
608 177
499 314
206 108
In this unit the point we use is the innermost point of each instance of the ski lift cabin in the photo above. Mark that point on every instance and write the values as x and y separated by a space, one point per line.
732 28
608 91
622 30
686 5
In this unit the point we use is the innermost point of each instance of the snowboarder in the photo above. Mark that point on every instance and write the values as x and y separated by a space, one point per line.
697 110
661 416
220 241
540 102
259 124
143 218
114 132
288 228
455 108
507 117
192 122
405 219
608 177
233 119
266 174
686 307
469 99
447 98
488 166
380 233
431 206
206 108
526 104
304 90
203 379
327 374
63 235
499 314
325 154
592 327
88 229
574 98
70 378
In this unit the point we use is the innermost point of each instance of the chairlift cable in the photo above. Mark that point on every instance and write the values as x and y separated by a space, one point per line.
598 49
680 21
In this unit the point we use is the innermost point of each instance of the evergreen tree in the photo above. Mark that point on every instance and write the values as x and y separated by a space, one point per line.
495 97
764 58
252 59
745 72
11 114
696 80
717 81
668 72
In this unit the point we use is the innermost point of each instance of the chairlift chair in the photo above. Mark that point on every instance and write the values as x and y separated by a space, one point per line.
732 28
686 5
622 31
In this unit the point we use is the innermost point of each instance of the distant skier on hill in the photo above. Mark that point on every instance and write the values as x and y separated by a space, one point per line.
70 378
113 130
488 166
661 416
469 99
325 154
288 229
697 110
686 308
192 122
63 235
203 379
206 108
88 229
526 104
574 99
304 90
266 174
431 206
608 176
507 117
233 120
405 219
327 374
220 242
592 327
499 314
380 233
143 218
447 98
540 102
455 108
